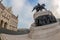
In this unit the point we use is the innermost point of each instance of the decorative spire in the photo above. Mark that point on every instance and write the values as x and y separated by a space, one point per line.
10 8
17 16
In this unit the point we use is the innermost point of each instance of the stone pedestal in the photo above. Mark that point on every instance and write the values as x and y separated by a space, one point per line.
44 18
40 13
47 32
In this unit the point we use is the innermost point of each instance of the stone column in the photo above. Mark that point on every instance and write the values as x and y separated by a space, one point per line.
3 25
0 23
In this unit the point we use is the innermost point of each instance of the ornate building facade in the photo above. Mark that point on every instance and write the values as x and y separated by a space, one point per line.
7 19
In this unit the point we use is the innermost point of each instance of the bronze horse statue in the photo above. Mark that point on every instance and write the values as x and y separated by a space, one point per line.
39 7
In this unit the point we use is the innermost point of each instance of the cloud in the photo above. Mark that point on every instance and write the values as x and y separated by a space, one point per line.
56 7
42 1
24 11
27 16
17 5
52 5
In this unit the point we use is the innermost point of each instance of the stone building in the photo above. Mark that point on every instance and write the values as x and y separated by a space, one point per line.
7 19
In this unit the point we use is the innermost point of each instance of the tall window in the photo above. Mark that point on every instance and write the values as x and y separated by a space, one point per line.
5 25
1 23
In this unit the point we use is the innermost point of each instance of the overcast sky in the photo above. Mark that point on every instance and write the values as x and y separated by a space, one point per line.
23 8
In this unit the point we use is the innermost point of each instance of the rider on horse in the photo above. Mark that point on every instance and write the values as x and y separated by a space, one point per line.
39 7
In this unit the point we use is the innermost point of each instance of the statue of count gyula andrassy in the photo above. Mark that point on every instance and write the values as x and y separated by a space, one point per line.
39 7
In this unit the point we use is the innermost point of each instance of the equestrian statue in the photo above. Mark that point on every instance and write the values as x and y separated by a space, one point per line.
39 7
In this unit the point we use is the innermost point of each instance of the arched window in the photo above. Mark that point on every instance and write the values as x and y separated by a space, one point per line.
1 23
5 25
0 38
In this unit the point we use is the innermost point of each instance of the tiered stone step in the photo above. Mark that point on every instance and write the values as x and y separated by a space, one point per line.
14 37
47 32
